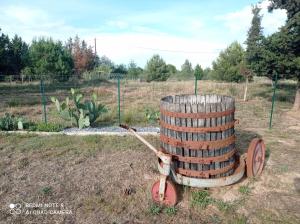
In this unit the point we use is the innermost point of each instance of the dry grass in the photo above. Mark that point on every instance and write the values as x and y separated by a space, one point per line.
91 174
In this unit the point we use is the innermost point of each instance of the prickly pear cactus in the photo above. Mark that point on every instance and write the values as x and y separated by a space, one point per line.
80 114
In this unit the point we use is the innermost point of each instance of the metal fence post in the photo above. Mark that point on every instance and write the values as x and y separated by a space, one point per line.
42 88
196 81
273 100
119 106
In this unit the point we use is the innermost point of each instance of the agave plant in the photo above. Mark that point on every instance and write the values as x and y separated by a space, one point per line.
81 114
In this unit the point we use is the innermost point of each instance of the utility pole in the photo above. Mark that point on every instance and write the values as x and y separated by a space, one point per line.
95 46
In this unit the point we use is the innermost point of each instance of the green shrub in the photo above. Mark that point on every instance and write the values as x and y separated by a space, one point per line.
233 91
201 199
129 117
10 122
151 115
47 190
223 206
170 210
19 102
244 189
47 127
155 209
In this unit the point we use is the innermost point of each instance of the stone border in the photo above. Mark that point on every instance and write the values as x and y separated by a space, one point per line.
78 133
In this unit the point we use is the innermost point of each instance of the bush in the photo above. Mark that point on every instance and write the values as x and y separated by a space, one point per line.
92 75
10 122
46 127
201 199
152 116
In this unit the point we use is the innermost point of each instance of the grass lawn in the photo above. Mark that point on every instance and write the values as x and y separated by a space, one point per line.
92 175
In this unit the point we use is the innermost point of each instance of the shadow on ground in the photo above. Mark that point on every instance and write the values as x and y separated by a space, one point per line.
285 92
51 87
243 139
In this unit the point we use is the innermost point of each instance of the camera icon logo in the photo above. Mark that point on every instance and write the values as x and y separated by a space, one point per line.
15 209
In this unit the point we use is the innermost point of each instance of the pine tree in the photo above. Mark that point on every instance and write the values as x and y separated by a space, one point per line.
282 49
227 66
254 41
186 70
198 72
156 69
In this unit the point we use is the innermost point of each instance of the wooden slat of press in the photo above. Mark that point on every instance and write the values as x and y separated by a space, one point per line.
219 134
193 109
231 131
223 106
228 107
187 134
183 124
178 133
189 123
212 123
228 119
201 123
168 107
161 117
163 131
172 122
207 124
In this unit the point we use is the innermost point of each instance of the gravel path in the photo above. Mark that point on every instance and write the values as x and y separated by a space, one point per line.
110 130
114 130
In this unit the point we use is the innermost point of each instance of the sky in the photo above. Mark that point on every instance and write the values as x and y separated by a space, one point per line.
136 30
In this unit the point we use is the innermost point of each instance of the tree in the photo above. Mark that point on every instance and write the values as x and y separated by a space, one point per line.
156 69
105 61
83 56
247 73
186 69
104 69
50 59
13 55
27 73
254 41
120 69
4 55
19 55
227 65
207 73
133 70
172 69
281 50
198 72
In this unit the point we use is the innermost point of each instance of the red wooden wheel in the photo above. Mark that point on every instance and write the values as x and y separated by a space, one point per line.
255 157
170 193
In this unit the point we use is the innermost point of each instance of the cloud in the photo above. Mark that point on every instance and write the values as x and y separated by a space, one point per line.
141 46
30 23
137 41
175 34
118 23
238 22
24 15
